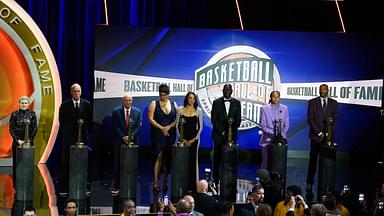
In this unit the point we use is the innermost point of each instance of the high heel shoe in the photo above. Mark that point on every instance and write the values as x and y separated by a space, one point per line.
156 187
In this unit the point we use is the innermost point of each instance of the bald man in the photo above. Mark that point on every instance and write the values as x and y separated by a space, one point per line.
204 203
129 208
189 199
124 116
70 112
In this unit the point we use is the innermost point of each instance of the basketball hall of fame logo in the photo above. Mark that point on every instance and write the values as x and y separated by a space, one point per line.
27 67
251 72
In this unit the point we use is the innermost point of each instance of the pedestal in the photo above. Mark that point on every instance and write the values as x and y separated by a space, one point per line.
277 162
228 173
78 170
128 171
24 173
327 170
180 172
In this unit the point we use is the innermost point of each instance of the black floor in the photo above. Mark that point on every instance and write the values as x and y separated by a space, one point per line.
49 202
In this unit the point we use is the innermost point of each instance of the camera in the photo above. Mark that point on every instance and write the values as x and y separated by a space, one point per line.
361 197
207 175
166 200
380 205
346 188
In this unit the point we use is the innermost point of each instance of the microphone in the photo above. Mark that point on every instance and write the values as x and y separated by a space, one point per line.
280 111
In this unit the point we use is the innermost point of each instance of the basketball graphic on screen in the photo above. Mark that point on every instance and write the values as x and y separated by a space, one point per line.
251 72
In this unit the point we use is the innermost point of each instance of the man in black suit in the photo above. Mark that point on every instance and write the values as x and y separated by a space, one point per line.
223 109
123 117
319 110
71 111
204 203
250 209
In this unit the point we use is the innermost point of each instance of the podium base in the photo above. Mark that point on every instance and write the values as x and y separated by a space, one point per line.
180 172
78 169
228 173
128 171
327 170
24 173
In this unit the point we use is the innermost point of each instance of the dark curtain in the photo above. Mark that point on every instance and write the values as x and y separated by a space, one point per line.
68 26
173 13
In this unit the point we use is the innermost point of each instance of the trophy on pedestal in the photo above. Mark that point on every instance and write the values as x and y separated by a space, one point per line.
329 134
277 136
130 138
181 141
80 142
27 142
231 143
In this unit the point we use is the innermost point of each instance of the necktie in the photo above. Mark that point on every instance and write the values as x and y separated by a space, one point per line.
127 118
76 105
324 104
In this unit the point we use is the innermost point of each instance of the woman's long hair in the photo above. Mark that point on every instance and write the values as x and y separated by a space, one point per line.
186 99
270 95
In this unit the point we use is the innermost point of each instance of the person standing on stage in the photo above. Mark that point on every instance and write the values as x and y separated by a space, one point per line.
223 109
270 116
124 117
17 127
319 109
162 117
193 125
71 111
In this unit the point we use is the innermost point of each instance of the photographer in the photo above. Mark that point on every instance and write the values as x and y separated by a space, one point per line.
379 208
379 202
205 203
299 207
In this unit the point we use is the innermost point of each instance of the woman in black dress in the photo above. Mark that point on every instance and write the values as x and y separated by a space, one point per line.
17 127
162 117
193 118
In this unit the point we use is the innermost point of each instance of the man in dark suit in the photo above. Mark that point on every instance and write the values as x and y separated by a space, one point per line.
70 112
124 117
223 109
249 209
319 110
191 202
204 203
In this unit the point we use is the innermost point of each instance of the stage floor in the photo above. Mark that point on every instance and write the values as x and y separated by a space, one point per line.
49 202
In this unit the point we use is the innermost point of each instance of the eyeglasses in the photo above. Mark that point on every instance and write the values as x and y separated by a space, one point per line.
163 95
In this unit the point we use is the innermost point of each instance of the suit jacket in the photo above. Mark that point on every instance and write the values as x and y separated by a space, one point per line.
317 118
206 204
120 126
247 210
267 118
68 117
219 118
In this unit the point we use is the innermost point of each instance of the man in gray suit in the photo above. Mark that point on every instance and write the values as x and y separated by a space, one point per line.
191 201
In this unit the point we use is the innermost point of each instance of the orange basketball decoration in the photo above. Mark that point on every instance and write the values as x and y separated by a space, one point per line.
15 81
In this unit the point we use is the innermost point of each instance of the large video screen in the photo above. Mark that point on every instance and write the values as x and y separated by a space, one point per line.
135 61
